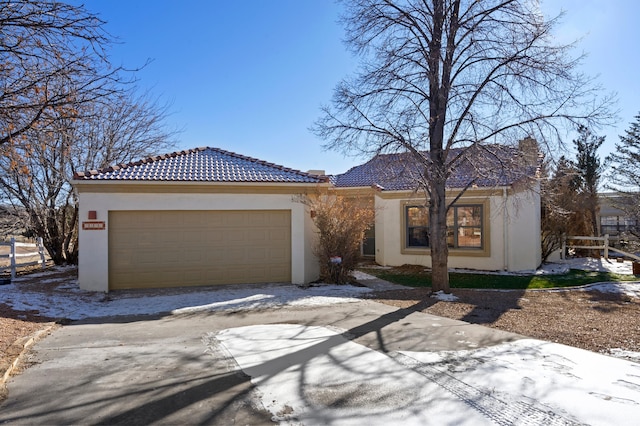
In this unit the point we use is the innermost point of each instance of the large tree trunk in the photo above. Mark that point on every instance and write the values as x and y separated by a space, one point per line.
438 242
438 219
437 181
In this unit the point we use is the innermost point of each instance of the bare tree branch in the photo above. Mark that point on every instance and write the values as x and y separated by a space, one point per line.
36 174
438 76
52 57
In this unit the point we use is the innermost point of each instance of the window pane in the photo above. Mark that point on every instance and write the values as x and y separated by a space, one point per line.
470 237
469 215
418 237
417 216
451 237
450 218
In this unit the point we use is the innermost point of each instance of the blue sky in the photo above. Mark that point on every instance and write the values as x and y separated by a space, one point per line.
250 76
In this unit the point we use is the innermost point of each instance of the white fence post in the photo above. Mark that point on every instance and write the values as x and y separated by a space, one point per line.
12 258
606 246
41 251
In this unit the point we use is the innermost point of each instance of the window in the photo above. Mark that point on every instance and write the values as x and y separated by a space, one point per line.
613 225
609 225
417 226
464 226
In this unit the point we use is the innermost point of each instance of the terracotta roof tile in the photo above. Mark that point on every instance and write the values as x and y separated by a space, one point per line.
201 165
485 167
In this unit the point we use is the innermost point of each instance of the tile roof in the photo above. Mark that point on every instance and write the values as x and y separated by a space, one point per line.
201 165
486 166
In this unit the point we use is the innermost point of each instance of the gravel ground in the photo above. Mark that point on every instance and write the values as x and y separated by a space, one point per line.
589 320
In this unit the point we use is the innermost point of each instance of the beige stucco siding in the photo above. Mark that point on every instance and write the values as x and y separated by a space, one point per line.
94 244
524 247
511 231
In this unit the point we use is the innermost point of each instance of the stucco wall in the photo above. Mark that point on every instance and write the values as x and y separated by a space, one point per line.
513 227
93 258
524 231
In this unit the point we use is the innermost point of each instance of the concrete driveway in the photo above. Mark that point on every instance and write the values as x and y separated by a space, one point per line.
341 364
168 370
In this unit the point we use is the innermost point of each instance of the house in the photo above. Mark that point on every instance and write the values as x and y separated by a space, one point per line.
207 216
494 225
613 220
198 217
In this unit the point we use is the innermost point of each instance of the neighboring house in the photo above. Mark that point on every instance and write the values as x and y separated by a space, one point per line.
198 217
494 225
613 221
208 216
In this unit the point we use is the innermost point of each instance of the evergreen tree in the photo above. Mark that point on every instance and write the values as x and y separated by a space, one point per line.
589 170
624 173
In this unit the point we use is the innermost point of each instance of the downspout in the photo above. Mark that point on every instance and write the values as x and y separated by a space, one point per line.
505 230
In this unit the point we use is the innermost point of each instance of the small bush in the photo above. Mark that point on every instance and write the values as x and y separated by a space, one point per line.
341 224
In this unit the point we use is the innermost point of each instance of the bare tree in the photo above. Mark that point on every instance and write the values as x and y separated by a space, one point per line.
52 58
557 195
36 174
438 75
564 206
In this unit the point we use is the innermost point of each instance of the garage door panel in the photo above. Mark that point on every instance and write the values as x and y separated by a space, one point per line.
214 256
180 248
238 220
259 235
192 235
279 220
278 271
277 234
258 255
279 255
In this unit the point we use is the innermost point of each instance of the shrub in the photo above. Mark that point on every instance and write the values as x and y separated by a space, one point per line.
341 222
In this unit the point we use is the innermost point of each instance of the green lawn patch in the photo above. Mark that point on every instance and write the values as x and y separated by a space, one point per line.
418 277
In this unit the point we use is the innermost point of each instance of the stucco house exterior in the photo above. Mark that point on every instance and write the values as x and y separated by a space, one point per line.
197 217
494 225
207 216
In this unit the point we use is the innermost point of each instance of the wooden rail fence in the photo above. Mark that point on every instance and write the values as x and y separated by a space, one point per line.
603 246
13 255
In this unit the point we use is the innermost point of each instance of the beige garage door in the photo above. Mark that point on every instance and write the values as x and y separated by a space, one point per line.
151 249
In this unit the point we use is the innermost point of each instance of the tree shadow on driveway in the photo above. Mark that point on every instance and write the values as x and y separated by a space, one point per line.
130 391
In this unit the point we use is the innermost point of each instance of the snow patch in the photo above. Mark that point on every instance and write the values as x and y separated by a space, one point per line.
313 375
621 353
582 263
361 276
69 301
590 388
444 297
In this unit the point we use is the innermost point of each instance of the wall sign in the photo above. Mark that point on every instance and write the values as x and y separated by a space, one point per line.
93 226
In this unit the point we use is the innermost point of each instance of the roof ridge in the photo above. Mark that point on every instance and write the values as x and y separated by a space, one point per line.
389 170
268 164
184 152
145 160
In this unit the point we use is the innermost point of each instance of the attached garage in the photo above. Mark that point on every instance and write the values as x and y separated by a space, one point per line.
195 218
193 248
